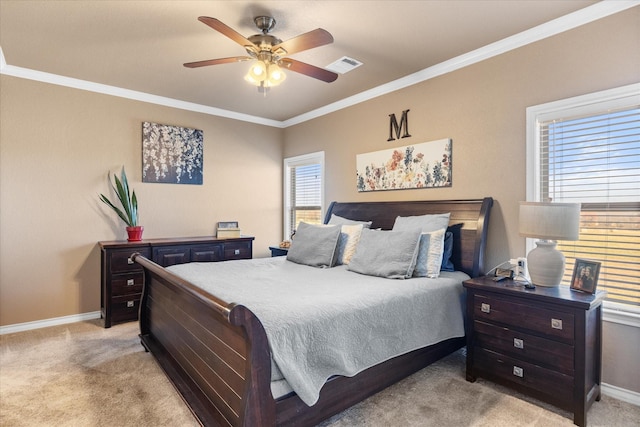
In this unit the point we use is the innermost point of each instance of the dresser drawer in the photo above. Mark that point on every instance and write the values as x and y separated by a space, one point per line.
526 374
171 255
121 260
126 284
206 253
516 312
237 250
540 351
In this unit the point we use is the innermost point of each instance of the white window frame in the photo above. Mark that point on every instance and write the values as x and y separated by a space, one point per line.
594 102
292 162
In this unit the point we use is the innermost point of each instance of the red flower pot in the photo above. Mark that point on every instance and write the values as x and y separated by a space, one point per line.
135 233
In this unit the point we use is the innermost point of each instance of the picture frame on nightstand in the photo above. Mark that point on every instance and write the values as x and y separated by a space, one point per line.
585 276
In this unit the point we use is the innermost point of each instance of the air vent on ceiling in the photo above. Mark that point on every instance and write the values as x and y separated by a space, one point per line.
344 65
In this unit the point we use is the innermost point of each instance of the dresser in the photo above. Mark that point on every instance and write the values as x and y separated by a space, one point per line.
543 342
122 279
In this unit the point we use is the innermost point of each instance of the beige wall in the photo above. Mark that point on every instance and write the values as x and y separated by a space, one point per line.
57 145
482 109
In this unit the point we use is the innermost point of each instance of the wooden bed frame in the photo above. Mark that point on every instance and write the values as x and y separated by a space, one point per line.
216 353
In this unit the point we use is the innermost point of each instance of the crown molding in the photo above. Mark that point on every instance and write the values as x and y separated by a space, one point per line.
565 23
548 29
56 79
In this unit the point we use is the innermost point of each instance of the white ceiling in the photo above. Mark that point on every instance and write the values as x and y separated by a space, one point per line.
141 45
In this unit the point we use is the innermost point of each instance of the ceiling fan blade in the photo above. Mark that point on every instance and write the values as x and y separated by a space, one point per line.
229 32
308 70
217 61
315 38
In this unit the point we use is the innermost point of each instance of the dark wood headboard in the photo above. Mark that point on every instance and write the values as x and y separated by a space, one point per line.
469 223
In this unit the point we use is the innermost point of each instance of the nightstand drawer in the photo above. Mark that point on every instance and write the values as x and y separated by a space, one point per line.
526 374
125 308
121 260
540 351
127 284
520 314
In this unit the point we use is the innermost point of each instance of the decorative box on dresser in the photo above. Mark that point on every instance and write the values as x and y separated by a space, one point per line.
122 279
543 342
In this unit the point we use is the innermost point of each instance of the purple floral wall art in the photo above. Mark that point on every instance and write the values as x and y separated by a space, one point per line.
171 154
425 165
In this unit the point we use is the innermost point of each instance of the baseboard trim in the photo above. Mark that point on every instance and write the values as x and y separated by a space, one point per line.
28 326
623 394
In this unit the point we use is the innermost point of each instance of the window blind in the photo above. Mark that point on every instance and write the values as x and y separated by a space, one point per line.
594 159
306 195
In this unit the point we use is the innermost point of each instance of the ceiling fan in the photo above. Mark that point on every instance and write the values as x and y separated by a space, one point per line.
270 53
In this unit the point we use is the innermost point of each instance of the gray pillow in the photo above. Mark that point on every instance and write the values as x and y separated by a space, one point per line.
431 249
426 223
390 254
315 245
338 220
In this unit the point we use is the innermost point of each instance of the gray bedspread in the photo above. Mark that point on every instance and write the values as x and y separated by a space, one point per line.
325 322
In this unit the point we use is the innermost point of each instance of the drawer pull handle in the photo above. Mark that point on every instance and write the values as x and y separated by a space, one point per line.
129 261
556 323
518 343
236 252
518 371
130 282
130 304
485 308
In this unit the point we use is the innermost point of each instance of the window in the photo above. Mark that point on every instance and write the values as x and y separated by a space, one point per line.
304 191
587 150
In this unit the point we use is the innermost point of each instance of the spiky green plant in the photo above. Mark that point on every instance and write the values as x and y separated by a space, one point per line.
128 200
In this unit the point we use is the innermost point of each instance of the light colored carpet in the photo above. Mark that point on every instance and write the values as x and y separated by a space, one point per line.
84 375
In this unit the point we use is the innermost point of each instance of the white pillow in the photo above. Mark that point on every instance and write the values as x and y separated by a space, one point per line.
349 238
338 220
430 251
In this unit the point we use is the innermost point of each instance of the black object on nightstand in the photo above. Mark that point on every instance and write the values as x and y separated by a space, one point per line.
278 251
543 342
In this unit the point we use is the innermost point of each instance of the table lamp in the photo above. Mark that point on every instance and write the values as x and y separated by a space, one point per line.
548 222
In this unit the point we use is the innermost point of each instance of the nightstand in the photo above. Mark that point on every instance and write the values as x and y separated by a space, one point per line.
278 251
543 342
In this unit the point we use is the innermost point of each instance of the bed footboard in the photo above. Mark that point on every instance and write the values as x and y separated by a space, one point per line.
215 353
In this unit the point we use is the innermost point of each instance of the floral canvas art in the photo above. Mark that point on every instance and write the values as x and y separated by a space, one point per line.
171 154
425 165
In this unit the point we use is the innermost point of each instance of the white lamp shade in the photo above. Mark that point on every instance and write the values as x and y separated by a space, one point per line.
550 221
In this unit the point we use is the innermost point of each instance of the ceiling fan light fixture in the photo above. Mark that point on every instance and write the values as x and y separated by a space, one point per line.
276 75
265 75
257 72
268 51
